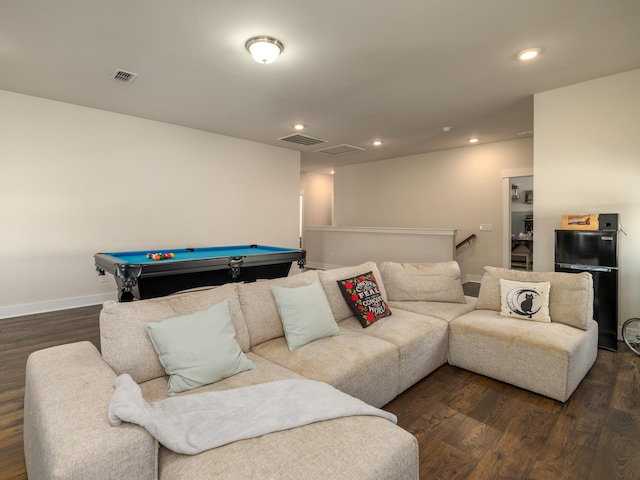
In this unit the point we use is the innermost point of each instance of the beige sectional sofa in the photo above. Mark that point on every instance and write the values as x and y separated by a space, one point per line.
67 434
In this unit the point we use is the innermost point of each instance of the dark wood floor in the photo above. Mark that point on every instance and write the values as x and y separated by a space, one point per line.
468 426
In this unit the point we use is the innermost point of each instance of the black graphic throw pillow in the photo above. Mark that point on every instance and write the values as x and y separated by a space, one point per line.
525 300
364 298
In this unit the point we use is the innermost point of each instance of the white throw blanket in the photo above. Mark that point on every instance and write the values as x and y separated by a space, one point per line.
194 423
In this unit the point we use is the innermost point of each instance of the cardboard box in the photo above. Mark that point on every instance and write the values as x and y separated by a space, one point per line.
580 222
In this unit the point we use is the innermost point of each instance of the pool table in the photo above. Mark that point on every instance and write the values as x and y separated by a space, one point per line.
142 277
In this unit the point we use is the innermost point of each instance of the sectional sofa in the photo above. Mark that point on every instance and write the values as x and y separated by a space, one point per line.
368 332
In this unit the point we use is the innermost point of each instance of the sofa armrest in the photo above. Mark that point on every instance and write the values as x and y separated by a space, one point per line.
67 434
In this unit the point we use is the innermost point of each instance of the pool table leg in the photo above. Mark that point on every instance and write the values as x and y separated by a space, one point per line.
125 295
126 280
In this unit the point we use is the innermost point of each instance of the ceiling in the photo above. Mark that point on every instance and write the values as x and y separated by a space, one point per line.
352 71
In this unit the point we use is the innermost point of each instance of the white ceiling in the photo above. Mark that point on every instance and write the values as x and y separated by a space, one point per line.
351 71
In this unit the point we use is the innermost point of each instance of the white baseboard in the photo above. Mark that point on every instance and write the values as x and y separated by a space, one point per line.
54 305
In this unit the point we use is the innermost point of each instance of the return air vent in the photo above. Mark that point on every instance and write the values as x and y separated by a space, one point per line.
302 139
339 149
123 76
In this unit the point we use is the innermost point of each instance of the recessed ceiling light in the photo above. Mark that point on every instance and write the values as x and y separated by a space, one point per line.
529 54
298 126
377 143
474 140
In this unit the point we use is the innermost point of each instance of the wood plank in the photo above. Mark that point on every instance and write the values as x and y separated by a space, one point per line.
617 453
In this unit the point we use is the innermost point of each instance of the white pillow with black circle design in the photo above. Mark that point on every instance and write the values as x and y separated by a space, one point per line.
525 300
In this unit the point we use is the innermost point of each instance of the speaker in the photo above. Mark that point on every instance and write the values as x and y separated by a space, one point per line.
608 221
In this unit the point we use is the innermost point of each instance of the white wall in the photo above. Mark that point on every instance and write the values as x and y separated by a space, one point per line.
317 189
75 181
457 189
587 160
335 247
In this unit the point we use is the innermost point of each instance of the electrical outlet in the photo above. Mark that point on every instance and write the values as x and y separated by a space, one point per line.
486 227
103 278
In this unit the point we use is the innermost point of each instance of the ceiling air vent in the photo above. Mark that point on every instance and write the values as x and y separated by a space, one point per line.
339 149
123 76
302 139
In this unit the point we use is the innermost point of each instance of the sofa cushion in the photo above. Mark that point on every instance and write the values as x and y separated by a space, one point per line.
431 282
525 300
422 342
259 305
547 358
364 298
265 371
329 279
66 431
344 448
354 363
305 313
570 295
442 310
199 348
126 345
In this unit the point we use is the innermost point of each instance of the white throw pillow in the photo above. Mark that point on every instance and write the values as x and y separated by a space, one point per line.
305 313
198 349
525 300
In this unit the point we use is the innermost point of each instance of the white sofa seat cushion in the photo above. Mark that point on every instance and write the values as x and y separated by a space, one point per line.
442 310
547 358
344 448
265 371
421 340
362 366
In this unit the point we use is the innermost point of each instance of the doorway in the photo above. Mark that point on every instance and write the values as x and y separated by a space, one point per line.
517 219
522 223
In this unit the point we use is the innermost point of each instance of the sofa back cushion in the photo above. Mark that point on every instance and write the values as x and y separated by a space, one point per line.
259 305
570 295
427 282
125 344
329 280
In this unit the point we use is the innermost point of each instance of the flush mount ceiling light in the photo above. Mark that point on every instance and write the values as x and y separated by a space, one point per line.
474 140
377 143
298 126
528 54
264 50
